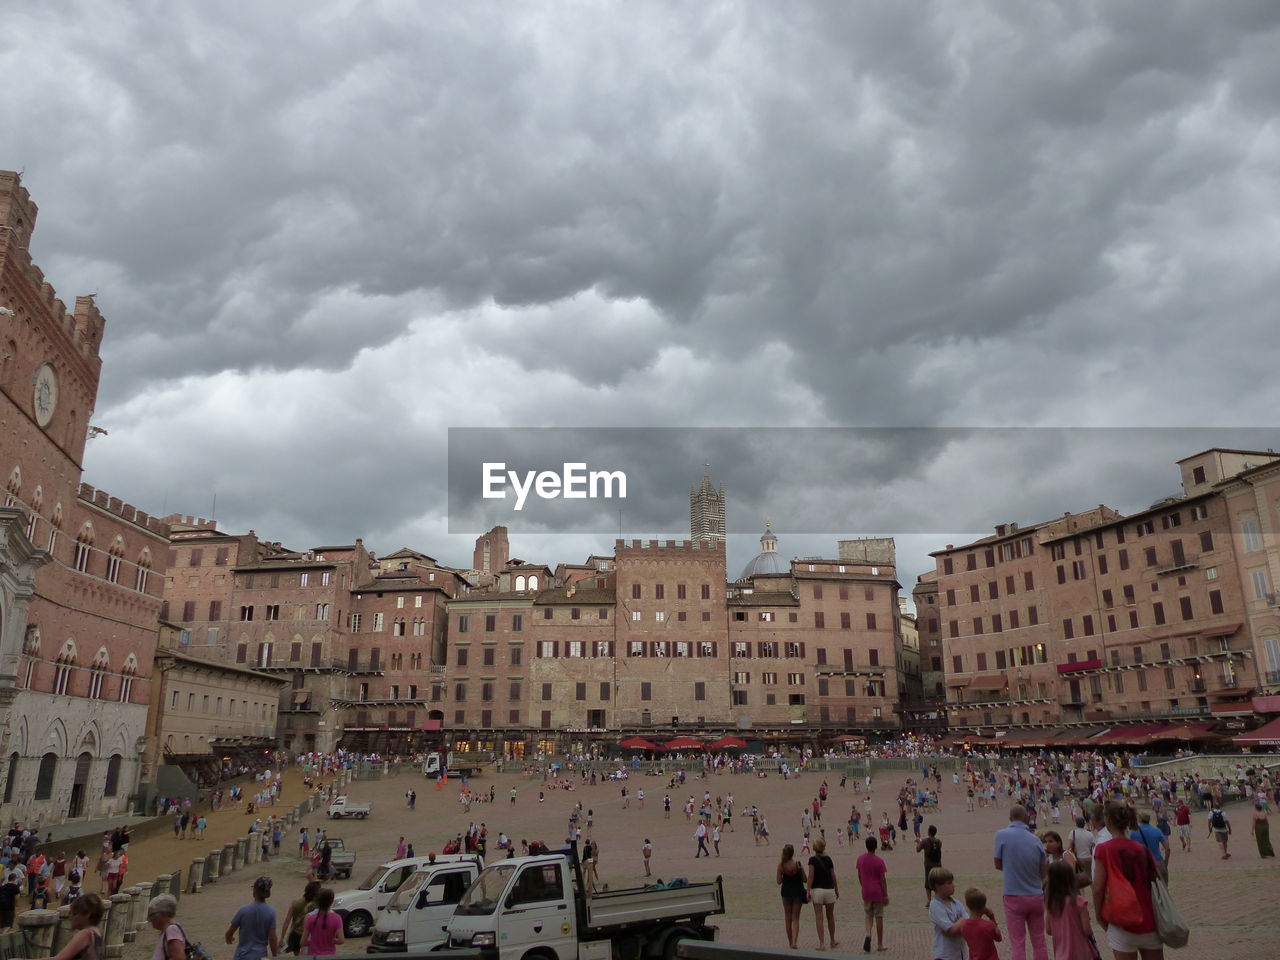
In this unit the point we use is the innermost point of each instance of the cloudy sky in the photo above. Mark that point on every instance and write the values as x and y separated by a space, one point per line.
323 233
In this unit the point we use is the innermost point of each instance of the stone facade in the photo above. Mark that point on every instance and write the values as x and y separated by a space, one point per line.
78 636
203 710
1097 618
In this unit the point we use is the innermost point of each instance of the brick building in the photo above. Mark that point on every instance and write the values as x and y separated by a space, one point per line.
82 571
929 713
655 640
1098 618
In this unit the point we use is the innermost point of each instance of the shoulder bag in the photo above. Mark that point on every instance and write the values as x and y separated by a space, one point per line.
1172 930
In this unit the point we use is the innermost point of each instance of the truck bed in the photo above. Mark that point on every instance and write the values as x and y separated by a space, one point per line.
622 908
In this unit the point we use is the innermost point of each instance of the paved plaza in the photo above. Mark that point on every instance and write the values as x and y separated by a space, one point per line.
1231 905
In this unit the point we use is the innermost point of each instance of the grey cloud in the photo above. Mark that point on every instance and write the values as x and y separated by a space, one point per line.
994 213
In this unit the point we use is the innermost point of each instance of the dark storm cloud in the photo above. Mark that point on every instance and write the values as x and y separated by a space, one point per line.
759 215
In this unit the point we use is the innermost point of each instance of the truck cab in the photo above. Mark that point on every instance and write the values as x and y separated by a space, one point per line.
358 907
535 908
416 917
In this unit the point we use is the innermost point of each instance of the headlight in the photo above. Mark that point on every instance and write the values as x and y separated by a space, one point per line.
395 936
482 939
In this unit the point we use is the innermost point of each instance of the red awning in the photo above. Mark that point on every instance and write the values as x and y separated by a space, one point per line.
991 681
431 724
958 682
638 743
1269 704
1241 708
728 743
1129 735
1265 736
1079 666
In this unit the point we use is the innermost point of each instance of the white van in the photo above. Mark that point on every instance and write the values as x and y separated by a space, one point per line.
360 906
416 919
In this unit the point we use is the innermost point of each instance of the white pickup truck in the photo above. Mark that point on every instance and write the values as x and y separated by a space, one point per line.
416 917
535 908
342 807
359 907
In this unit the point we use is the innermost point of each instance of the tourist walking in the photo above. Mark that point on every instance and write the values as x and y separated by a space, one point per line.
322 929
87 942
298 911
161 912
791 880
1261 827
1155 841
1066 915
256 924
700 834
1220 828
824 891
931 847
646 852
1020 856
1124 861
871 870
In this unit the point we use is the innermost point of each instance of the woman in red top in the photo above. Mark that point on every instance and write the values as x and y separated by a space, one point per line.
1115 861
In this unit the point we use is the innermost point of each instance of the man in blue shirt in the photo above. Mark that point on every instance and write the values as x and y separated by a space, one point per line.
256 924
1020 856
1155 841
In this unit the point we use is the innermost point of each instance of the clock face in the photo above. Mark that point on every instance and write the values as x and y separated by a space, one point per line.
46 394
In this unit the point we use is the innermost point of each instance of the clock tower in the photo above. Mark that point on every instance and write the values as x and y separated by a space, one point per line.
81 572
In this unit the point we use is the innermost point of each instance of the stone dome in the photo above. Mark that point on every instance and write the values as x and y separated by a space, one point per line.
767 560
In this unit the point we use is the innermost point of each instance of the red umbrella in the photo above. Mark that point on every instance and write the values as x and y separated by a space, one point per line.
685 743
638 743
728 743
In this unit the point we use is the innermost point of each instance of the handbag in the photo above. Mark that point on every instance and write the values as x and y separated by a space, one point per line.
1170 927
1121 906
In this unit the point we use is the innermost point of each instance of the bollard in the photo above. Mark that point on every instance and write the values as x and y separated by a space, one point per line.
228 859
195 876
163 884
254 850
38 928
175 885
117 920
62 932
242 849
134 893
145 893
213 863
233 856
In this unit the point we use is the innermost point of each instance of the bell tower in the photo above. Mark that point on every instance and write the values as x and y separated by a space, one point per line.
706 511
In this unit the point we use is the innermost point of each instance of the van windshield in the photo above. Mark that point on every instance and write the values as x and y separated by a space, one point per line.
372 879
403 897
482 896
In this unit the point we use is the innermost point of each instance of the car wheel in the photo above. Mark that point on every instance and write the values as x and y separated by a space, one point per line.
358 924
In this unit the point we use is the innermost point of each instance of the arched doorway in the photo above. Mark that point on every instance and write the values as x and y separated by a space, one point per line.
80 785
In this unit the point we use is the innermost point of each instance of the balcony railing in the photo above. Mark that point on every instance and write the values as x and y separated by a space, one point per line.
1185 563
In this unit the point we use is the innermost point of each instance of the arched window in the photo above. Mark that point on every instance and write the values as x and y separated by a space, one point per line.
44 779
98 673
11 775
115 557
13 489
55 526
62 669
129 671
533 583
520 582
143 571
37 504
84 548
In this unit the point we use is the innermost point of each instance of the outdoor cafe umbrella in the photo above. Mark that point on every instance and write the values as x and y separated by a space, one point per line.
638 743
684 743
728 743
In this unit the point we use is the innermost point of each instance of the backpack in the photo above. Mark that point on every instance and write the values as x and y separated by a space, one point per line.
1217 820
193 951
